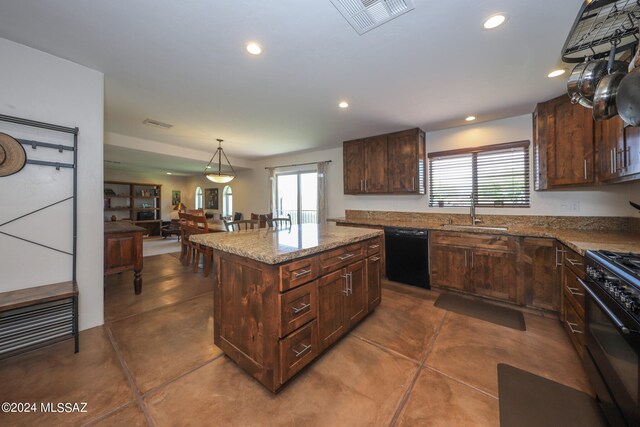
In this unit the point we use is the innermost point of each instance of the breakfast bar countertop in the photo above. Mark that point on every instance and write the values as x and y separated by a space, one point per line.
274 246
577 239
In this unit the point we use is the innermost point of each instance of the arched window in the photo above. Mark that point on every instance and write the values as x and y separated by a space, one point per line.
199 198
227 201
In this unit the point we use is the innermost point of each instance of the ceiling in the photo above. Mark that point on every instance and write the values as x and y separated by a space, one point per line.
185 63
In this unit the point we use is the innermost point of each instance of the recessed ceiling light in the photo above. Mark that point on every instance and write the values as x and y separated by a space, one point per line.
556 73
494 21
343 104
470 118
254 48
169 173
208 167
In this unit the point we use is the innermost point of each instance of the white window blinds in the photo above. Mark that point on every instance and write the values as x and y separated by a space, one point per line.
496 175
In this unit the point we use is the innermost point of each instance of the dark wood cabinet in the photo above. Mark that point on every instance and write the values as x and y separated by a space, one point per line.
611 141
374 273
375 165
619 150
564 141
273 320
449 267
353 166
123 250
493 274
406 166
392 163
571 149
573 298
331 312
541 267
481 264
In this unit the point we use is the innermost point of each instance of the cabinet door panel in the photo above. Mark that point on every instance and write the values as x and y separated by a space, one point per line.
632 151
449 267
356 301
570 143
610 137
494 274
353 168
403 161
541 273
374 272
331 294
375 160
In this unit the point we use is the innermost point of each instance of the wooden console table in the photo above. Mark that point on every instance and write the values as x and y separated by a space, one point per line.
123 250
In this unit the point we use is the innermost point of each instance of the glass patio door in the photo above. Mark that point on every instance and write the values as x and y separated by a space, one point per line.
297 195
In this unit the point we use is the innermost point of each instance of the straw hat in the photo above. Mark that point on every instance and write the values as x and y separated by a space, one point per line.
12 155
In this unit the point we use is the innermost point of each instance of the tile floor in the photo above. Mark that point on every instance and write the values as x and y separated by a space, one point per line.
154 363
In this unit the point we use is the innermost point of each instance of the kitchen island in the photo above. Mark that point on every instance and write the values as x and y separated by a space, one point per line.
282 297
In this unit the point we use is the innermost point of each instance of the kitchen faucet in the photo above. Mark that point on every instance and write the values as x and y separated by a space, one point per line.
472 212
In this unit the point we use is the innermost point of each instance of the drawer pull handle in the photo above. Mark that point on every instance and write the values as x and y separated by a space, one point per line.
305 347
346 257
571 326
574 291
375 258
374 246
573 262
302 273
303 307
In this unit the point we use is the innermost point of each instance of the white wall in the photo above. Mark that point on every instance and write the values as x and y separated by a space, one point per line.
168 182
41 87
608 200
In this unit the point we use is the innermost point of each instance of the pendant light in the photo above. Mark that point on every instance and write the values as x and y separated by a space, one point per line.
218 176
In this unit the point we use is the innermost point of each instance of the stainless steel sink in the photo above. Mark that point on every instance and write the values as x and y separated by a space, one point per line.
475 227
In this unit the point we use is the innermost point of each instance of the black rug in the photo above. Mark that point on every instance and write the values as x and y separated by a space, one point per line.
527 400
481 310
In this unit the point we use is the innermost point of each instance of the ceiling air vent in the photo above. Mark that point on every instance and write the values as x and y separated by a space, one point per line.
156 123
365 15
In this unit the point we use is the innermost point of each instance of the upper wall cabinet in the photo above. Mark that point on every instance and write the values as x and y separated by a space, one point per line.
572 149
393 163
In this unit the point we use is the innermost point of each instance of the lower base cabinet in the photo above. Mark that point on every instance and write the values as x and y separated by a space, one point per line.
273 320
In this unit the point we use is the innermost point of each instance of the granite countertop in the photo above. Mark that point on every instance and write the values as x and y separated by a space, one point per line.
578 240
111 227
276 246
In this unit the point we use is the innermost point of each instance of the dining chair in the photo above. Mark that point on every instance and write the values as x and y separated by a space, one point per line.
184 235
282 222
201 226
243 224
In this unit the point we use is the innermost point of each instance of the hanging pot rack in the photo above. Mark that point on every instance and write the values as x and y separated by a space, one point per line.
598 24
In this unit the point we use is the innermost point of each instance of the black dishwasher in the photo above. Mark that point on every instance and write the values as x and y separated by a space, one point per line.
407 252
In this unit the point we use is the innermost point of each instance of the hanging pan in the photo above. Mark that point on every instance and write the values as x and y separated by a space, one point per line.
12 155
573 86
604 100
628 96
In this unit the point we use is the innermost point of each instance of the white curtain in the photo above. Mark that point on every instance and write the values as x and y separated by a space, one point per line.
322 206
272 191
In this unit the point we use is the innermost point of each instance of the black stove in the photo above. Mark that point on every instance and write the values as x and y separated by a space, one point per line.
612 333
618 273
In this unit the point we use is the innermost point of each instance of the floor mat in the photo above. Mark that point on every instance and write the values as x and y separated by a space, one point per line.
481 310
527 400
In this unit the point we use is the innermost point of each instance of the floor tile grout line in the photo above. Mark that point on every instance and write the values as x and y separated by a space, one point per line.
110 321
174 379
405 397
431 368
387 349
134 388
108 413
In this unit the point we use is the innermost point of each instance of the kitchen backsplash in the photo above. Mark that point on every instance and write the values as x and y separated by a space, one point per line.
560 222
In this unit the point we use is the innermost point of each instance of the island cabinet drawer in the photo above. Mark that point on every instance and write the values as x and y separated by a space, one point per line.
574 261
297 350
297 307
473 240
373 246
341 257
298 273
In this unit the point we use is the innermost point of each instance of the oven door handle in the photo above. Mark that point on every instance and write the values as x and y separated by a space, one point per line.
604 308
